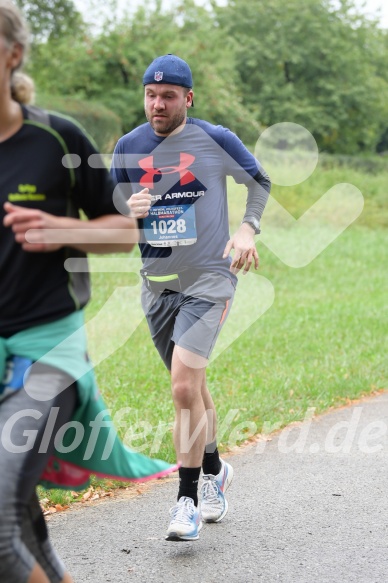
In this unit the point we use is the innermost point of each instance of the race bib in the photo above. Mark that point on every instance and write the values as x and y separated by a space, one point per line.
169 226
13 380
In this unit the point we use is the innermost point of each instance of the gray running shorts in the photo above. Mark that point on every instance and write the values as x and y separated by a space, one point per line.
192 318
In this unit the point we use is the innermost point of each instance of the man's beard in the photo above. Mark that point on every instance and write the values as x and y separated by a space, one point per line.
173 123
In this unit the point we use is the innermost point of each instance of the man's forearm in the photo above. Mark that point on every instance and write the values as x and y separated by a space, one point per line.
258 193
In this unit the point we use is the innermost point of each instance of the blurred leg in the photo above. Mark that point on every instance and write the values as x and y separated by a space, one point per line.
23 420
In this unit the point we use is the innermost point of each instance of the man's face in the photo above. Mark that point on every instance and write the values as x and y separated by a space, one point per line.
166 106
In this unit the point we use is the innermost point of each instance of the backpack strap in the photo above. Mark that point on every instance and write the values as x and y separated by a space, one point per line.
35 114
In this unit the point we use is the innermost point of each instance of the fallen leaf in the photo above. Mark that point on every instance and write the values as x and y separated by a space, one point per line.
51 510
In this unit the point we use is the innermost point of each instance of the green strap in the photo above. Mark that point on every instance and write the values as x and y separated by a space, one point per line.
162 277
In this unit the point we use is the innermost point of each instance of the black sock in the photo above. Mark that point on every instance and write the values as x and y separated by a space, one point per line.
211 459
188 483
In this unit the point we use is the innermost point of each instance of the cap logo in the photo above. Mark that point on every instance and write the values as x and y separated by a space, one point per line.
158 76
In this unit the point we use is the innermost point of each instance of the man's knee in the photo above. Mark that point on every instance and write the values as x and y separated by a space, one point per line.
184 393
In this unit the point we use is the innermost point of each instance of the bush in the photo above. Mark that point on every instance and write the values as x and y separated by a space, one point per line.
100 123
370 164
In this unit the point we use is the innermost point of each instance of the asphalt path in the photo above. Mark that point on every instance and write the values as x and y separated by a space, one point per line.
309 504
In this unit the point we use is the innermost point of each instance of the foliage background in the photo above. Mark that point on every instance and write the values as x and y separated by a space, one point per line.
312 62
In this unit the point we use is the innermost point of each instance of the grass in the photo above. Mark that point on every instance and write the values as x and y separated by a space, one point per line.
321 343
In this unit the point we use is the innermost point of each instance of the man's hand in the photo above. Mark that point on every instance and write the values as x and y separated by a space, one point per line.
22 219
245 252
140 204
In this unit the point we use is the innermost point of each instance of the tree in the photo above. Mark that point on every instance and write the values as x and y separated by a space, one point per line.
108 66
51 18
312 63
305 61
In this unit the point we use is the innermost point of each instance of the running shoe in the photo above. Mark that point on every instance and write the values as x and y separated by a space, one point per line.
185 521
214 505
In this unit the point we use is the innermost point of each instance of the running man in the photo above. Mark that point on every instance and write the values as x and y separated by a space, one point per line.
175 169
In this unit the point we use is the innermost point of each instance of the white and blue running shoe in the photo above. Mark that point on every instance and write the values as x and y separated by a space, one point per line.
214 505
185 521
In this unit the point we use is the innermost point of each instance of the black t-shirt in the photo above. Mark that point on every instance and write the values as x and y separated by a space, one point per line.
35 288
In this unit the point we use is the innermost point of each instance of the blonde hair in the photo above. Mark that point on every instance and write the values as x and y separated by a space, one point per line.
13 27
22 88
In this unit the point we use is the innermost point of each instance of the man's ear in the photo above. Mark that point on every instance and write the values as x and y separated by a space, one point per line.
189 98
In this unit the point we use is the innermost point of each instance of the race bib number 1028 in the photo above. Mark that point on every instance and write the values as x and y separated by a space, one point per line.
169 226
